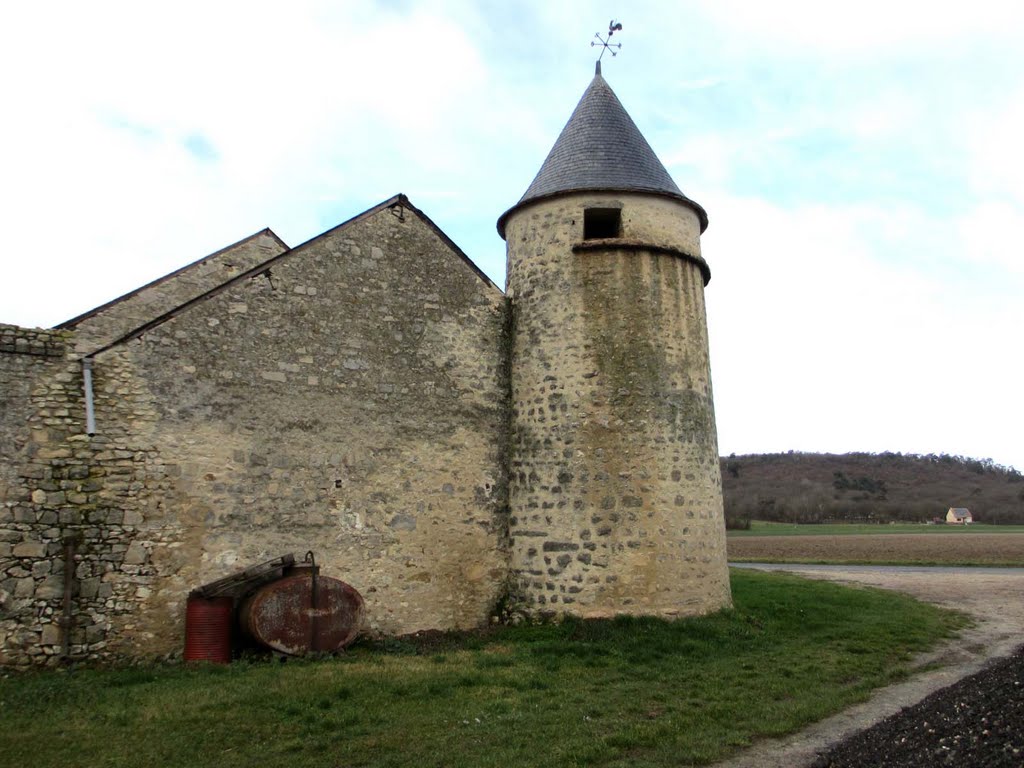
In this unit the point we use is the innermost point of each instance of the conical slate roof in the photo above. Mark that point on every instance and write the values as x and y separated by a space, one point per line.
601 150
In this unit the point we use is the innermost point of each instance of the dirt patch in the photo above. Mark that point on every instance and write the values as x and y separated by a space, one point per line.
992 598
977 548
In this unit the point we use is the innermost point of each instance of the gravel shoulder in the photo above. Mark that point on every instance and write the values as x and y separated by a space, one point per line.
978 721
991 596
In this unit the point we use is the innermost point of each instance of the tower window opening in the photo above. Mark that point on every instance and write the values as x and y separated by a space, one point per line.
601 223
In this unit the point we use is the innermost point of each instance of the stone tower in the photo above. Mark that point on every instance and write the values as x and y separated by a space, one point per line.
615 487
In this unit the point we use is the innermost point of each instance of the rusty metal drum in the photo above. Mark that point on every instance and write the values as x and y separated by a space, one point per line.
303 613
208 629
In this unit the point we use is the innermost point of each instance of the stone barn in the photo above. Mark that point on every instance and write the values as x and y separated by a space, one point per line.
442 445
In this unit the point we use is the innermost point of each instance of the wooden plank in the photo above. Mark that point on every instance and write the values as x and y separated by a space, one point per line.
245 578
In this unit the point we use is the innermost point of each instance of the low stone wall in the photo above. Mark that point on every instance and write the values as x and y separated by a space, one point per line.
39 342
35 419
60 488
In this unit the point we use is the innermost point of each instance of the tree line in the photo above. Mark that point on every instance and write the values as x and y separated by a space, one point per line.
868 487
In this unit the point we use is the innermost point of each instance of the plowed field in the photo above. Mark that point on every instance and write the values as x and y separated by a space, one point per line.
917 549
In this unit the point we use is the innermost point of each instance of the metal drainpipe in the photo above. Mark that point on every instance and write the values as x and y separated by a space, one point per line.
90 413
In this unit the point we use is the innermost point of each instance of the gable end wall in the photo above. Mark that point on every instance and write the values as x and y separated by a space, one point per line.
353 402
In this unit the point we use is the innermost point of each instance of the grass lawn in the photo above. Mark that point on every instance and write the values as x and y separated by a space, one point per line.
761 528
636 692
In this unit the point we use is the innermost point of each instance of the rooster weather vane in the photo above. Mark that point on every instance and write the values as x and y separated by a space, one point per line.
613 27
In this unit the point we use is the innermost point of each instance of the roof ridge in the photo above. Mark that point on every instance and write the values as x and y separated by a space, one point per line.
402 199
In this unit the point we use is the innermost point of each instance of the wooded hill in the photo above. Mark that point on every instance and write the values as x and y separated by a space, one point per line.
867 487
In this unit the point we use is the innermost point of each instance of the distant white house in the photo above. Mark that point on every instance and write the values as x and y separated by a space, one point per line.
959 516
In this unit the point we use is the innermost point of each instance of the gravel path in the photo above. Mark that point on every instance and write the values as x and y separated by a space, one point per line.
976 722
994 598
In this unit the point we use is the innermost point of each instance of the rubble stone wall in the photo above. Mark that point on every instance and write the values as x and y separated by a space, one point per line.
371 397
60 489
30 543
352 401
615 486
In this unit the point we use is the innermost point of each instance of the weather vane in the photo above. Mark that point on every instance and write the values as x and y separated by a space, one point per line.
613 27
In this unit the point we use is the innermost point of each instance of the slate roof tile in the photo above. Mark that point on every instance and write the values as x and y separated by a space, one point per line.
601 149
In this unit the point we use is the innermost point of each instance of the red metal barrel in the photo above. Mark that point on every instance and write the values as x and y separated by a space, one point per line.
208 629
303 613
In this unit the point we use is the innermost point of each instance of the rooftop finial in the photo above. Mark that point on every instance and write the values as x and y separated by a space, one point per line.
613 27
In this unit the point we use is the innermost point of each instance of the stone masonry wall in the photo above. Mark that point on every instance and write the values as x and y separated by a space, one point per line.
29 583
615 487
58 486
351 402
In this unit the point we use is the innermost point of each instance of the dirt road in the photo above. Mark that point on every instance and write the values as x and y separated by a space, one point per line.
993 597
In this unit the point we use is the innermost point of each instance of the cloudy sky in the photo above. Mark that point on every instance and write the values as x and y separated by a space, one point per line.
862 165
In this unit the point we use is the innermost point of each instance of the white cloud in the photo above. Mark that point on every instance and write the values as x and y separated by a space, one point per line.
99 177
820 343
991 238
143 137
801 27
996 148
